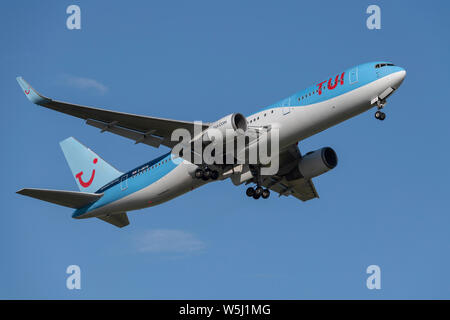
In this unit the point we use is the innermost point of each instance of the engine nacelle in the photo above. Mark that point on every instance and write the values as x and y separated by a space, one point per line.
317 162
227 125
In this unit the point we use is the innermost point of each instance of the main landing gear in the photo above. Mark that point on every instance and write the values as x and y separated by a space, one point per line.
257 192
379 114
206 173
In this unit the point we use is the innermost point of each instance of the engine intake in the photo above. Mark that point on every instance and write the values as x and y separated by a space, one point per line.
317 162
230 123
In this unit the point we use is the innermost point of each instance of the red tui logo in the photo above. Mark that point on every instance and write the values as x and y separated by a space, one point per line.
88 183
330 85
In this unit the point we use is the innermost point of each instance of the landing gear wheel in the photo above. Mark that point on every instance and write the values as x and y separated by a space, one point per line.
265 194
214 175
380 115
256 196
199 173
206 174
250 192
259 191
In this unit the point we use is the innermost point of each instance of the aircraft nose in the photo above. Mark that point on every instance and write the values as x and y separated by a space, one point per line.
398 78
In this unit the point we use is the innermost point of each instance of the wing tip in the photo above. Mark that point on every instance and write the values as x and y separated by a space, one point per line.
21 191
30 93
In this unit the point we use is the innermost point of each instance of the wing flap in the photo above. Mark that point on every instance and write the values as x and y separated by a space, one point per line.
146 138
71 199
302 189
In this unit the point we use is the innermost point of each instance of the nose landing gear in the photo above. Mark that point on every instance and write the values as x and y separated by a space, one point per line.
379 114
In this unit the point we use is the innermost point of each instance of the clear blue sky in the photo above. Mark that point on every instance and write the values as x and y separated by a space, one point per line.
385 203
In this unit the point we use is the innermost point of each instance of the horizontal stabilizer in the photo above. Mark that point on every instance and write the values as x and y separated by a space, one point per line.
118 219
71 199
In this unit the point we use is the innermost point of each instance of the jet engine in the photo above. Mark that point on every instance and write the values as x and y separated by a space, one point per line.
317 162
227 126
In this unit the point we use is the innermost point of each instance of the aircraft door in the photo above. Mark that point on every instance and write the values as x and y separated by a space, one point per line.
353 75
124 182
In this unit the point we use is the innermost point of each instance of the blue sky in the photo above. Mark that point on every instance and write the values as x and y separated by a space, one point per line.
385 203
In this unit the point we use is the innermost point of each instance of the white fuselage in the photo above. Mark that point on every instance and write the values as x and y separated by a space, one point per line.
294 123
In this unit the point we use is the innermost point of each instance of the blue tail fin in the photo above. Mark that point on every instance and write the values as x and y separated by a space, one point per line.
89 170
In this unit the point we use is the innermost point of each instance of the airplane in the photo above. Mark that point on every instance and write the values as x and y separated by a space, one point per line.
108 194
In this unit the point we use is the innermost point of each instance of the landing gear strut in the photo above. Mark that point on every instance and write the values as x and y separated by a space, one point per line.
206 173
379 114
257 192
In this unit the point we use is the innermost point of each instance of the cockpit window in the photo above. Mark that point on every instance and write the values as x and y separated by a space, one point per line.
381 65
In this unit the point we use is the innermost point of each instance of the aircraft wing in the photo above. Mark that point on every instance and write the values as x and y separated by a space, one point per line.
303 189
142 129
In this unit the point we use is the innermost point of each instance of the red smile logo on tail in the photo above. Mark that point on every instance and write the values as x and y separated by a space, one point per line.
80 180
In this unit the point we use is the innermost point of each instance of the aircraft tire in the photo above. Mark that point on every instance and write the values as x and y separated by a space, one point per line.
214 175
199 173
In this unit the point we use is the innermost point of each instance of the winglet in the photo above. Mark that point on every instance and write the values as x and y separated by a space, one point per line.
31 94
